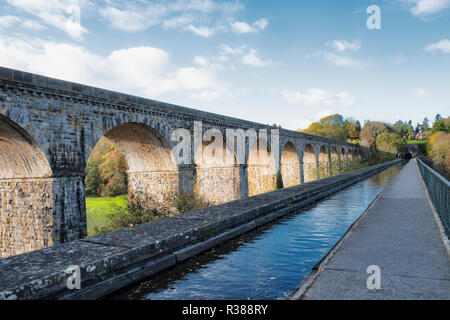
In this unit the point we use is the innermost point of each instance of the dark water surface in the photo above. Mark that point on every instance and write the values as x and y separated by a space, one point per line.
269 262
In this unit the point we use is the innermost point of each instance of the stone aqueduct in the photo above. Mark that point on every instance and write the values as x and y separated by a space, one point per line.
48 128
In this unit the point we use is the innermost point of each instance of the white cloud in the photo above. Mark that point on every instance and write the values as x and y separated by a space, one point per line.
427 7
202 17
8 21
229 56
127 20
201 31
344 61
343 45
201 61
32 25
64 15
228 51
421 93
139 70
243 27
318 97
252 59
443 45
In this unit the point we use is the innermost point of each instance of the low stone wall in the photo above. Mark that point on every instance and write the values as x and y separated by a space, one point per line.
113 260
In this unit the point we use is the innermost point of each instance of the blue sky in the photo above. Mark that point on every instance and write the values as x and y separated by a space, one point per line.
288 62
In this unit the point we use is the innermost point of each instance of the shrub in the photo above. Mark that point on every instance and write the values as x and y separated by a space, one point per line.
137 212
440 151
279 184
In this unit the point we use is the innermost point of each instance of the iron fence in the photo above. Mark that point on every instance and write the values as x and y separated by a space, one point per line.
438 188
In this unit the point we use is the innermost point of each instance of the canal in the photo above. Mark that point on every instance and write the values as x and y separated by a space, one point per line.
269 262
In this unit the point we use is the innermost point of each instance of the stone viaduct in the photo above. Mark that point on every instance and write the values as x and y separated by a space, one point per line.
49 127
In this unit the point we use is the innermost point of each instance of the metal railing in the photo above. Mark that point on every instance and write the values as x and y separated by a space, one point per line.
438 188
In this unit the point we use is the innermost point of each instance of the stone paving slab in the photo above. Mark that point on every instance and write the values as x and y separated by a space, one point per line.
398 233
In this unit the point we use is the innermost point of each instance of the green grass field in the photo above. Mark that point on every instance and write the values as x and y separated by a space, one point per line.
97 210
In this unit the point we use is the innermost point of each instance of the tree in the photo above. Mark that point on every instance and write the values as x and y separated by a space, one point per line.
370 132
280 184
418 129
441 125
425 124
332 127
390 142
106 171
401 129
410 130
438 117
92 179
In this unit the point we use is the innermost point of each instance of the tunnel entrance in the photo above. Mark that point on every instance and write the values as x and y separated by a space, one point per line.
408 156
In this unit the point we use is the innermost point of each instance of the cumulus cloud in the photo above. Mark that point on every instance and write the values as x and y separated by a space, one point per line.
10 21
128 20
427 7
243 27
318 97
252 59
339 58
229 56
64 15
139 70
443 46
345 61
201 31
421 93
202 17
344 45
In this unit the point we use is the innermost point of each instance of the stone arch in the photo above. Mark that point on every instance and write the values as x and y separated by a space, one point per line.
217 177
345 164
335 160
309 163
261 170
350 155
290 165
324 169
152 169
26 192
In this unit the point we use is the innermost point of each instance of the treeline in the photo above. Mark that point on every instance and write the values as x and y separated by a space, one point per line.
106 171
386 140
335 127
437 143
383 140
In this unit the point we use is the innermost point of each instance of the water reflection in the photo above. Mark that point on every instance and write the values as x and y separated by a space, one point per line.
267 263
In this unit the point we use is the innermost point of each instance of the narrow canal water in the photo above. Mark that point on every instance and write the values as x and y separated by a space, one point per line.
269 262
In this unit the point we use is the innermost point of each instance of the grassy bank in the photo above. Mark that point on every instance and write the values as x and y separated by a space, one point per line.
97 210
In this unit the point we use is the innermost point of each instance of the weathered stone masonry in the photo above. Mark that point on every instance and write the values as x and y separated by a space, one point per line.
48 128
